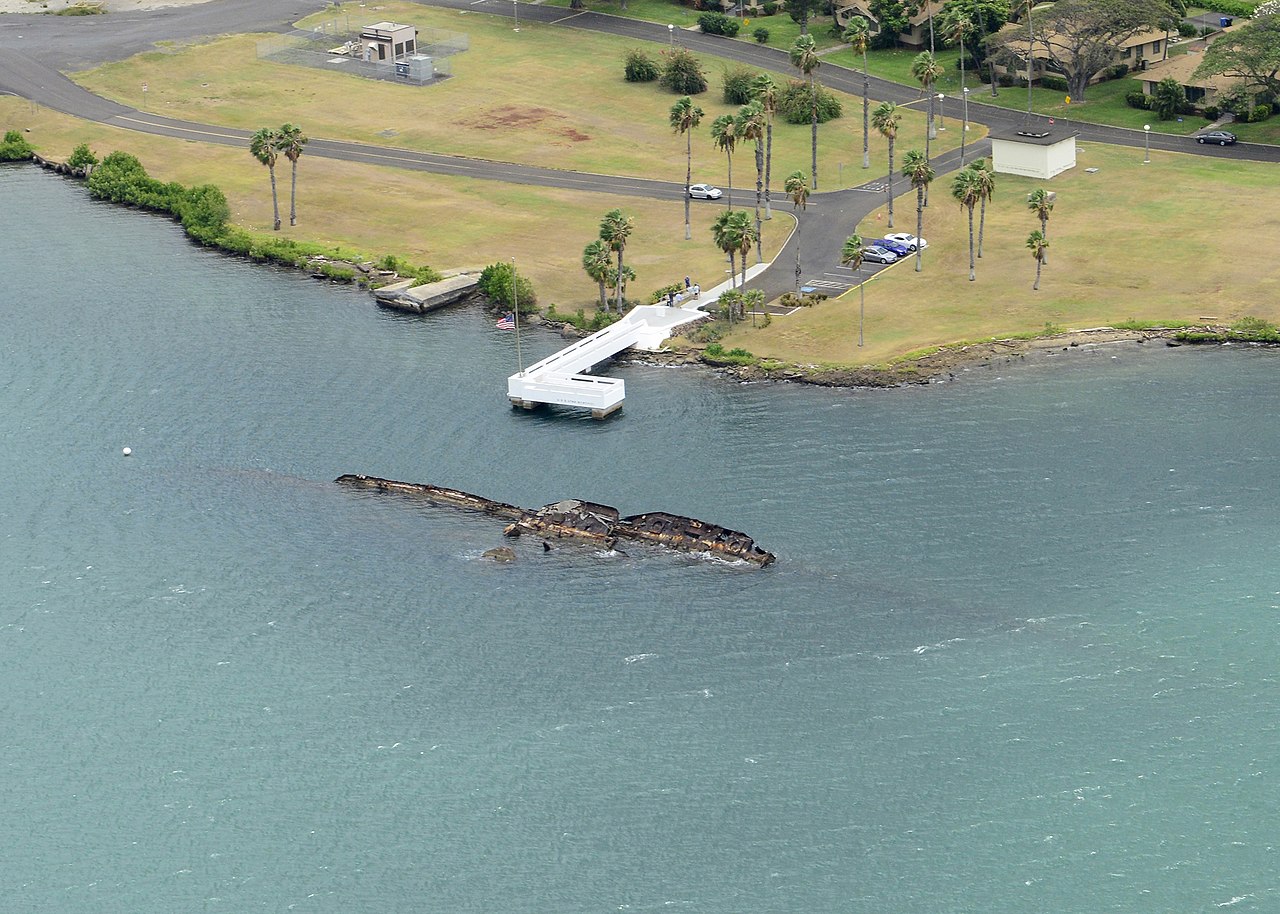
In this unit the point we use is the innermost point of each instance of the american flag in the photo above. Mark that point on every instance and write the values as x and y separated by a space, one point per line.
508 321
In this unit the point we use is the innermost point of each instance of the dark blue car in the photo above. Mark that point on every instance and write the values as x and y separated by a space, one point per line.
896 246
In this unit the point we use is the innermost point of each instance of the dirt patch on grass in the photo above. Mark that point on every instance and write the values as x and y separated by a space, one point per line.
511 117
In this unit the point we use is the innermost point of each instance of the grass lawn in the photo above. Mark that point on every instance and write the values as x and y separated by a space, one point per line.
543 96
1133 241
1104 102
782 30
418 215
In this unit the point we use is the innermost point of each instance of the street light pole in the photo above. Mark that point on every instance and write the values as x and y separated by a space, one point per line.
671 35
1146 136
942 120
964 127
515 8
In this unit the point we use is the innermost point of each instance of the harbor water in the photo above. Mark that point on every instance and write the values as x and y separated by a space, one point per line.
1018 653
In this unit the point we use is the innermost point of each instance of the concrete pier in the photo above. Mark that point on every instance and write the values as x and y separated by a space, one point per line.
561 378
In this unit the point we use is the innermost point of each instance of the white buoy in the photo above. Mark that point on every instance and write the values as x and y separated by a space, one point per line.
127 451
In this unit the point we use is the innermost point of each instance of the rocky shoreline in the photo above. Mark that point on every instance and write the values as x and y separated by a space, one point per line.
946 363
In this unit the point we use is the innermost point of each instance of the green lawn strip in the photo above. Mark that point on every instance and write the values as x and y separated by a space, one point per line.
1124 251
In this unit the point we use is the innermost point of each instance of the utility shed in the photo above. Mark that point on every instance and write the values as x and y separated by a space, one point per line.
1033 152
388 41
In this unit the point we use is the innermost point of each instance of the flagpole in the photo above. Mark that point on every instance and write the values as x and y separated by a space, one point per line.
515 297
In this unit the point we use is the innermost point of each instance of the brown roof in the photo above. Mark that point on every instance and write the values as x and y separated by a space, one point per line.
1180 67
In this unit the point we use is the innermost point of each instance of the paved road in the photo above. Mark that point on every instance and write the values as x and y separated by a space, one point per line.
35 51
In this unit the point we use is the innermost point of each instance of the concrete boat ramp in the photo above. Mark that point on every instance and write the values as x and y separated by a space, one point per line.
561 379
421 299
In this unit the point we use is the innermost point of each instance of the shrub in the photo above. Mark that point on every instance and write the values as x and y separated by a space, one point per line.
737 86
1119 71
640 67
15 148
204 211
705 332
1259 113
719 24
660 295
1211 113
1187 29
336 272
795 104
716 353
770 8
761 35
597 321
1240 8
1137 99
82 157
682 73
1056 83
81 9
502 286
1256 329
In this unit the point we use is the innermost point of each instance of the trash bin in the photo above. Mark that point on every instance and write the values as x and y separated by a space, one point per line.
1224 21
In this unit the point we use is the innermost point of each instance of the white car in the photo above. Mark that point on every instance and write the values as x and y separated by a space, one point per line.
705 192
911 241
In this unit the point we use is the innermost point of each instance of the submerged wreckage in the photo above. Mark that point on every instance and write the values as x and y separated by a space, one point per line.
584 520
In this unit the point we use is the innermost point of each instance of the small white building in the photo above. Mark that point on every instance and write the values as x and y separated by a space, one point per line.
388 41
1033 152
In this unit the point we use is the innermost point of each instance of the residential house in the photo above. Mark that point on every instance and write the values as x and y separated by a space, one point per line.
1202 91
917 37
1137 52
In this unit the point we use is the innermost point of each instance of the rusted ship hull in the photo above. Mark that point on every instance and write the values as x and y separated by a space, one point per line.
587 521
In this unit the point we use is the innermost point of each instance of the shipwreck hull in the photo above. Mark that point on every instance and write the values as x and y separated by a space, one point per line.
586 521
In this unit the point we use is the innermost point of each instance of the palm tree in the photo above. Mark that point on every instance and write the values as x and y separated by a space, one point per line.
724 136
928 71
797 188
851 257
753 301
615 229
958 28
964 189
857 33
750 126
724 231
766 93
263 147
746 234
1040 202
1037 244
685 115
986 182
597 262
289 141
804 57
886 119
916 169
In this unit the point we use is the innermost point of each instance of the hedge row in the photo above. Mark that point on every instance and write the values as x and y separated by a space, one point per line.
1242 8
204 213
